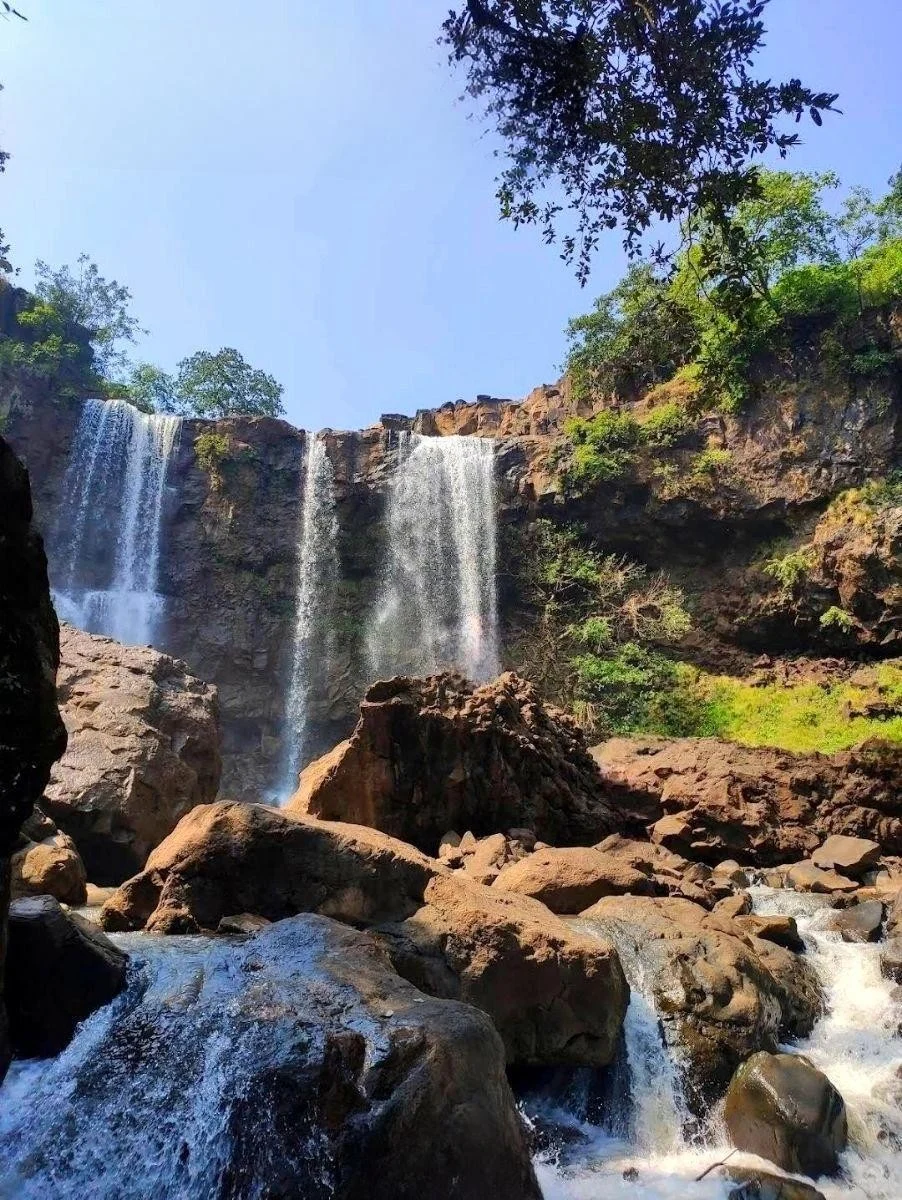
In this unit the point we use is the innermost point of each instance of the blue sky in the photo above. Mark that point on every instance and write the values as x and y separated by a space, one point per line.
296 178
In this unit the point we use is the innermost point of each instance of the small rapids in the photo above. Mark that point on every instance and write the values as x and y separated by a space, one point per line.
647 1155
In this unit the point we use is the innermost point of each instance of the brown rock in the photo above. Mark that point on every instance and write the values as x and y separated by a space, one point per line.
50 867
782 931
230 858
670 874
806 877
739 905
891 959
720 993
781 1107
60 969
756 805
850 856
434 754
753 1184
569 879
143 750
245 924
557 997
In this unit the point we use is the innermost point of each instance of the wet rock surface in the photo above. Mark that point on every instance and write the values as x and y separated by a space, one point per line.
143 750
294 1063
430 755
783 1108
47 863
60 970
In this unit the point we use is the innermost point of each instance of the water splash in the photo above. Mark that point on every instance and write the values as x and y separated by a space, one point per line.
112 500
437 607
317 573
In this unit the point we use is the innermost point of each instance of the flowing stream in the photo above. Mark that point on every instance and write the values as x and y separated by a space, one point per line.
317 574
109 521
857 1044
437 607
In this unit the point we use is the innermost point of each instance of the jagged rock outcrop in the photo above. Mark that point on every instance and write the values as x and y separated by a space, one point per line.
710 799
143 751
434 754
229 858
556 996
293 1063
31 732
781 1107
721 993
61 969
47 863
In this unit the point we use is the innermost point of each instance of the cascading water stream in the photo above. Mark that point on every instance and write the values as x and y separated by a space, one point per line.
437 608
856 1044
113 499
317 572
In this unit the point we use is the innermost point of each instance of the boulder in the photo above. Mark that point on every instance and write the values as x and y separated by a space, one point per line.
31 732
434 754
752 1184
143 750
738 905
671 874
556 996
294 1063
859 922
721 994
60 969
709 799
781 930
891 959
806 877
850 856
569 879
242 924
781 1107
228 858
50 867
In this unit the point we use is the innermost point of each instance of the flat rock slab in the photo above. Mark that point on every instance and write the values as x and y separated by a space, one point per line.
848 855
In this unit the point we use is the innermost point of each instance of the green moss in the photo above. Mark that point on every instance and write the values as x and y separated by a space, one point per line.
603 447
791 568
804 717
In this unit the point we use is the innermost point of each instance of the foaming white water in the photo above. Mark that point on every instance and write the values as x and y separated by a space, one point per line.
437 607
856 1044
113 498
317 572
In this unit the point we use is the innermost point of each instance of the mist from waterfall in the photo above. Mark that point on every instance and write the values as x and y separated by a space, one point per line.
437 606
106 539
316 576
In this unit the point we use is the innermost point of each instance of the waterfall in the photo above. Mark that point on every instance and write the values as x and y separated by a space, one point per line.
437 607
105 545
316 575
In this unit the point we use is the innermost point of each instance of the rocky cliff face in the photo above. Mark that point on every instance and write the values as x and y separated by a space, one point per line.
782 483
31 732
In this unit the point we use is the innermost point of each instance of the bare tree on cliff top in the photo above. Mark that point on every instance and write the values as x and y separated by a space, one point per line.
623 112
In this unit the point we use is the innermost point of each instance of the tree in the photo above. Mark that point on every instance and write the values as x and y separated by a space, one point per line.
225 385
83 297
623 112
151 389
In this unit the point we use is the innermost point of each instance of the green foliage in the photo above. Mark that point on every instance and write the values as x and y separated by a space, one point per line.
50 348
710 462
83 297
803 717
224 385
837 618
210 450
636 336
871 361
638 690
603 446
152 389
622 113
666 425
791 568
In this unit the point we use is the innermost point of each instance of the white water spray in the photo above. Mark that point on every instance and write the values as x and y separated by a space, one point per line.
113 498
437 607
317 574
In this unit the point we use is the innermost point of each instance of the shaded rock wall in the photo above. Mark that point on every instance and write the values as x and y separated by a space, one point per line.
31 732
